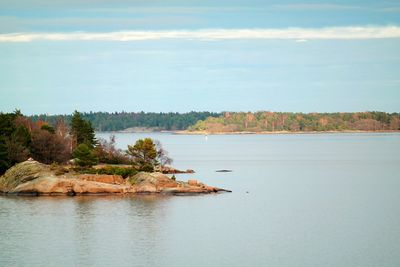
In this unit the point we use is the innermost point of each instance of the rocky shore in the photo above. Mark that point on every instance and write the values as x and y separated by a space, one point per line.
34 178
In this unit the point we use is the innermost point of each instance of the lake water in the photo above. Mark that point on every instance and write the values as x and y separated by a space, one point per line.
297 200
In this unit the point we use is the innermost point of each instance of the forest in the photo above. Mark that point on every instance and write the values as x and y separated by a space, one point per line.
299 122
117 121
262 121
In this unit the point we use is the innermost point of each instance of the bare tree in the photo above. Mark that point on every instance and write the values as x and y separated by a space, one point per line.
48 147
108 153
162 155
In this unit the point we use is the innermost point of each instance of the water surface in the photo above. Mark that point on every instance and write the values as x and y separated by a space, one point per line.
298 200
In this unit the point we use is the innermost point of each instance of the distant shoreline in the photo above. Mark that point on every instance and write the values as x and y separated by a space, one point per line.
185 132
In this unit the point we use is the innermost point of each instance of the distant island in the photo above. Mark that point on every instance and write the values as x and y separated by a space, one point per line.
235 122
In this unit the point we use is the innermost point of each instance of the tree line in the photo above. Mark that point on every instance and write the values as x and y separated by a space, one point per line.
299 122
116 121
234 121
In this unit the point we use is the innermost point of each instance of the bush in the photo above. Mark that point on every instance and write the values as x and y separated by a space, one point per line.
114 170
84 156
146 168
108 170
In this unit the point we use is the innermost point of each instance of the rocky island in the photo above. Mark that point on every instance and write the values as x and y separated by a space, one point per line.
38 158
33 178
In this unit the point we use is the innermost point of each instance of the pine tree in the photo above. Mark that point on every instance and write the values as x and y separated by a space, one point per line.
7 128
84 156
82 131
144 154
4 159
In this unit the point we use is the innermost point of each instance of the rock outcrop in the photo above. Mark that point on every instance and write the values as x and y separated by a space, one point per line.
34 178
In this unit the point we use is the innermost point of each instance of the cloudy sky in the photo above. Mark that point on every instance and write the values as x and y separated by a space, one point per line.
174 55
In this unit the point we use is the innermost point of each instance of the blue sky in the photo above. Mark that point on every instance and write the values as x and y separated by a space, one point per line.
307 56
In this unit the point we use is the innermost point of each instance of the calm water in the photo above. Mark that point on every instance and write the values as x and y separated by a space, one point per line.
298 200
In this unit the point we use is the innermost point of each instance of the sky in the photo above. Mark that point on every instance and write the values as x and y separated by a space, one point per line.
174 55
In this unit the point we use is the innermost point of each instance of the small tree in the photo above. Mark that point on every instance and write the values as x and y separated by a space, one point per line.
147 154
84 156
144 154
162 155
17 152
82 131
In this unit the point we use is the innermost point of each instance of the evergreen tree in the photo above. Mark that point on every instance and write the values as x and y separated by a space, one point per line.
82 131
144 154
18 145
4 159
7 126
7 131
84 156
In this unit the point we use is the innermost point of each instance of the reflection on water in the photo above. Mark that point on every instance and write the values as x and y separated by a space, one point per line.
86 227
298 200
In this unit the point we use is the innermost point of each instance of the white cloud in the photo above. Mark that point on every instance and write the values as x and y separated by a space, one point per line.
368 32
316 6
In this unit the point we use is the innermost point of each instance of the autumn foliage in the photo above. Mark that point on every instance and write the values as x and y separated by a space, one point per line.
20 138
299 122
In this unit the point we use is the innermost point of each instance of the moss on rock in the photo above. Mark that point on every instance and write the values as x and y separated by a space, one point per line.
22 173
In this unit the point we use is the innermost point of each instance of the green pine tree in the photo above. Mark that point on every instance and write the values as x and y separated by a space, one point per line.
82 131
4 159
84 156
144 154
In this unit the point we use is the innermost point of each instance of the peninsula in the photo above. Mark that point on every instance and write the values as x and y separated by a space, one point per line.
37 158
36 179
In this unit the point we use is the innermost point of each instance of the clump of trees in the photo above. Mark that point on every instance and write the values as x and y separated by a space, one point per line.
21 138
